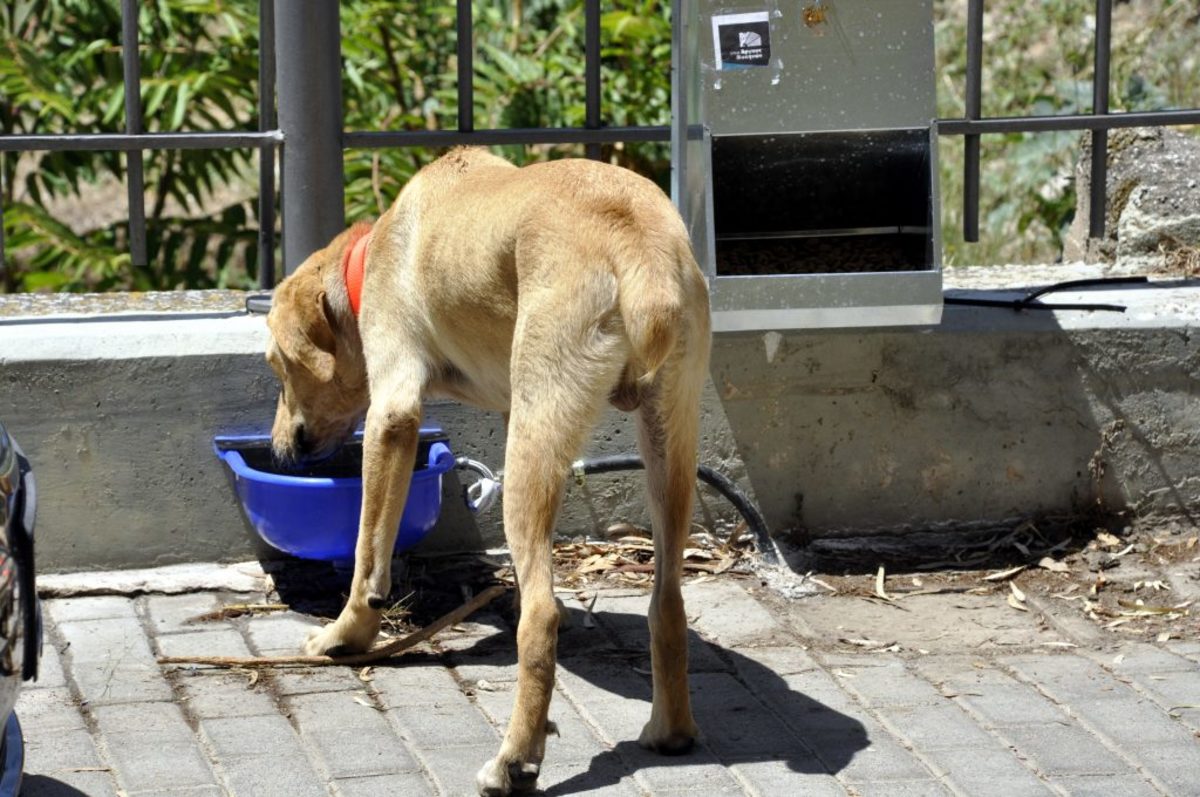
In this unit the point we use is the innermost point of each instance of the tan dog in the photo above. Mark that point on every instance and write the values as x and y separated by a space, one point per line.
542 292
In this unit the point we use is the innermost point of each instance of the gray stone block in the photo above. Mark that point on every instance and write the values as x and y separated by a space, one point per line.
737 726
611 697
46 711
217 641
699 771
170 614
335 726
1132 722
239 737
1063 749
1069 677
1002 705
606 777
892 685
944 726
271 772
73 610
1143 659
316 680
1176 766
152 747
453 723
988 773
68 784
404 785
415 685
221 693
1106 786
770 778
453 768
111 662
59 752
726 613
883 761
279 634
575 742
911 788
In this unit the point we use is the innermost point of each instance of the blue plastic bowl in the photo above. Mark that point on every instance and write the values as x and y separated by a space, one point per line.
313 513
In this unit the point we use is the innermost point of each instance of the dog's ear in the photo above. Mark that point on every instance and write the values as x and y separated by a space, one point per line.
304 332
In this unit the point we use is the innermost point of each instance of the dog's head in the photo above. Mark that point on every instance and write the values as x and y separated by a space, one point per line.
317 355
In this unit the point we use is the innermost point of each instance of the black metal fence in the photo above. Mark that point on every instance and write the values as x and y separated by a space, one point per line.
304 79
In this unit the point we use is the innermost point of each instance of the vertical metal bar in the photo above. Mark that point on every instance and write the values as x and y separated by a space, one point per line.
679 112
973 111
134 171
308 71
591 71
266 154
466 68
1099 187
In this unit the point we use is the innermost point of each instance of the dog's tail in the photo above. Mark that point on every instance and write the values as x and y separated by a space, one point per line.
652 307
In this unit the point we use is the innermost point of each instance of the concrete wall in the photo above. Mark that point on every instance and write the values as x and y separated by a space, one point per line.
990 415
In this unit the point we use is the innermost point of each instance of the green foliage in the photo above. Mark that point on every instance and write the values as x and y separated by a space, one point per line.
60 71
1038 60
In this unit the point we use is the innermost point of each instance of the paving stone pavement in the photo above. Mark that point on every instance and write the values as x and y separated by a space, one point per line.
783 710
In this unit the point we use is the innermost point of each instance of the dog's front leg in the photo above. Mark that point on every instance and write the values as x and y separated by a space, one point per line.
389 450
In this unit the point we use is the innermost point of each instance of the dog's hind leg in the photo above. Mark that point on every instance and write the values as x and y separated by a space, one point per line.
389 452
668 422
561 376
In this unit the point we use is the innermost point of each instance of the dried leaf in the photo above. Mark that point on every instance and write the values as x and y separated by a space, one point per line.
365 675
485 686
1108 540
862 643
1053 565
879 590
1013 602
1123 551
362 701
1004 574
253 679
1016 591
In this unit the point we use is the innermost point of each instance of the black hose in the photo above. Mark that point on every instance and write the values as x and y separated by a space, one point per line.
718 481
1029 300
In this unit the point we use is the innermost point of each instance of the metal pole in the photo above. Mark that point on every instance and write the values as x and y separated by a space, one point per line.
466 67
974 110
591 71
134 173
266 154
1099 187
309 78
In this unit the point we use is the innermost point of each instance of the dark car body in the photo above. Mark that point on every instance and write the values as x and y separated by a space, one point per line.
20 614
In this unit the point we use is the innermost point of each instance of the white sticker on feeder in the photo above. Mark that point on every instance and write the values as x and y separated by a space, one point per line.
741 41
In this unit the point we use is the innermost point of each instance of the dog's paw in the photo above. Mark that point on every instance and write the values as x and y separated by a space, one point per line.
666 741
498 778
332 640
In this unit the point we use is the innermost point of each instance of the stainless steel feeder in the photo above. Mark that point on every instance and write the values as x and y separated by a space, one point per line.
805 160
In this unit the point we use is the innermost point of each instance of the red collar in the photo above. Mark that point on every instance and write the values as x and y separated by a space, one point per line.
352 270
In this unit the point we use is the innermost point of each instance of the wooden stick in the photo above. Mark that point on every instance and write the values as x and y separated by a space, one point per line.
392 648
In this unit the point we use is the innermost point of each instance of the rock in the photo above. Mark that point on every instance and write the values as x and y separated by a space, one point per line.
1153 218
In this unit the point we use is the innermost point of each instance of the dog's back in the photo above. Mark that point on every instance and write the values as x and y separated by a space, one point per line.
489 232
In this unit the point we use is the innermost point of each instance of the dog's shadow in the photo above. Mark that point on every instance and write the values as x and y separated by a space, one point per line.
747 712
